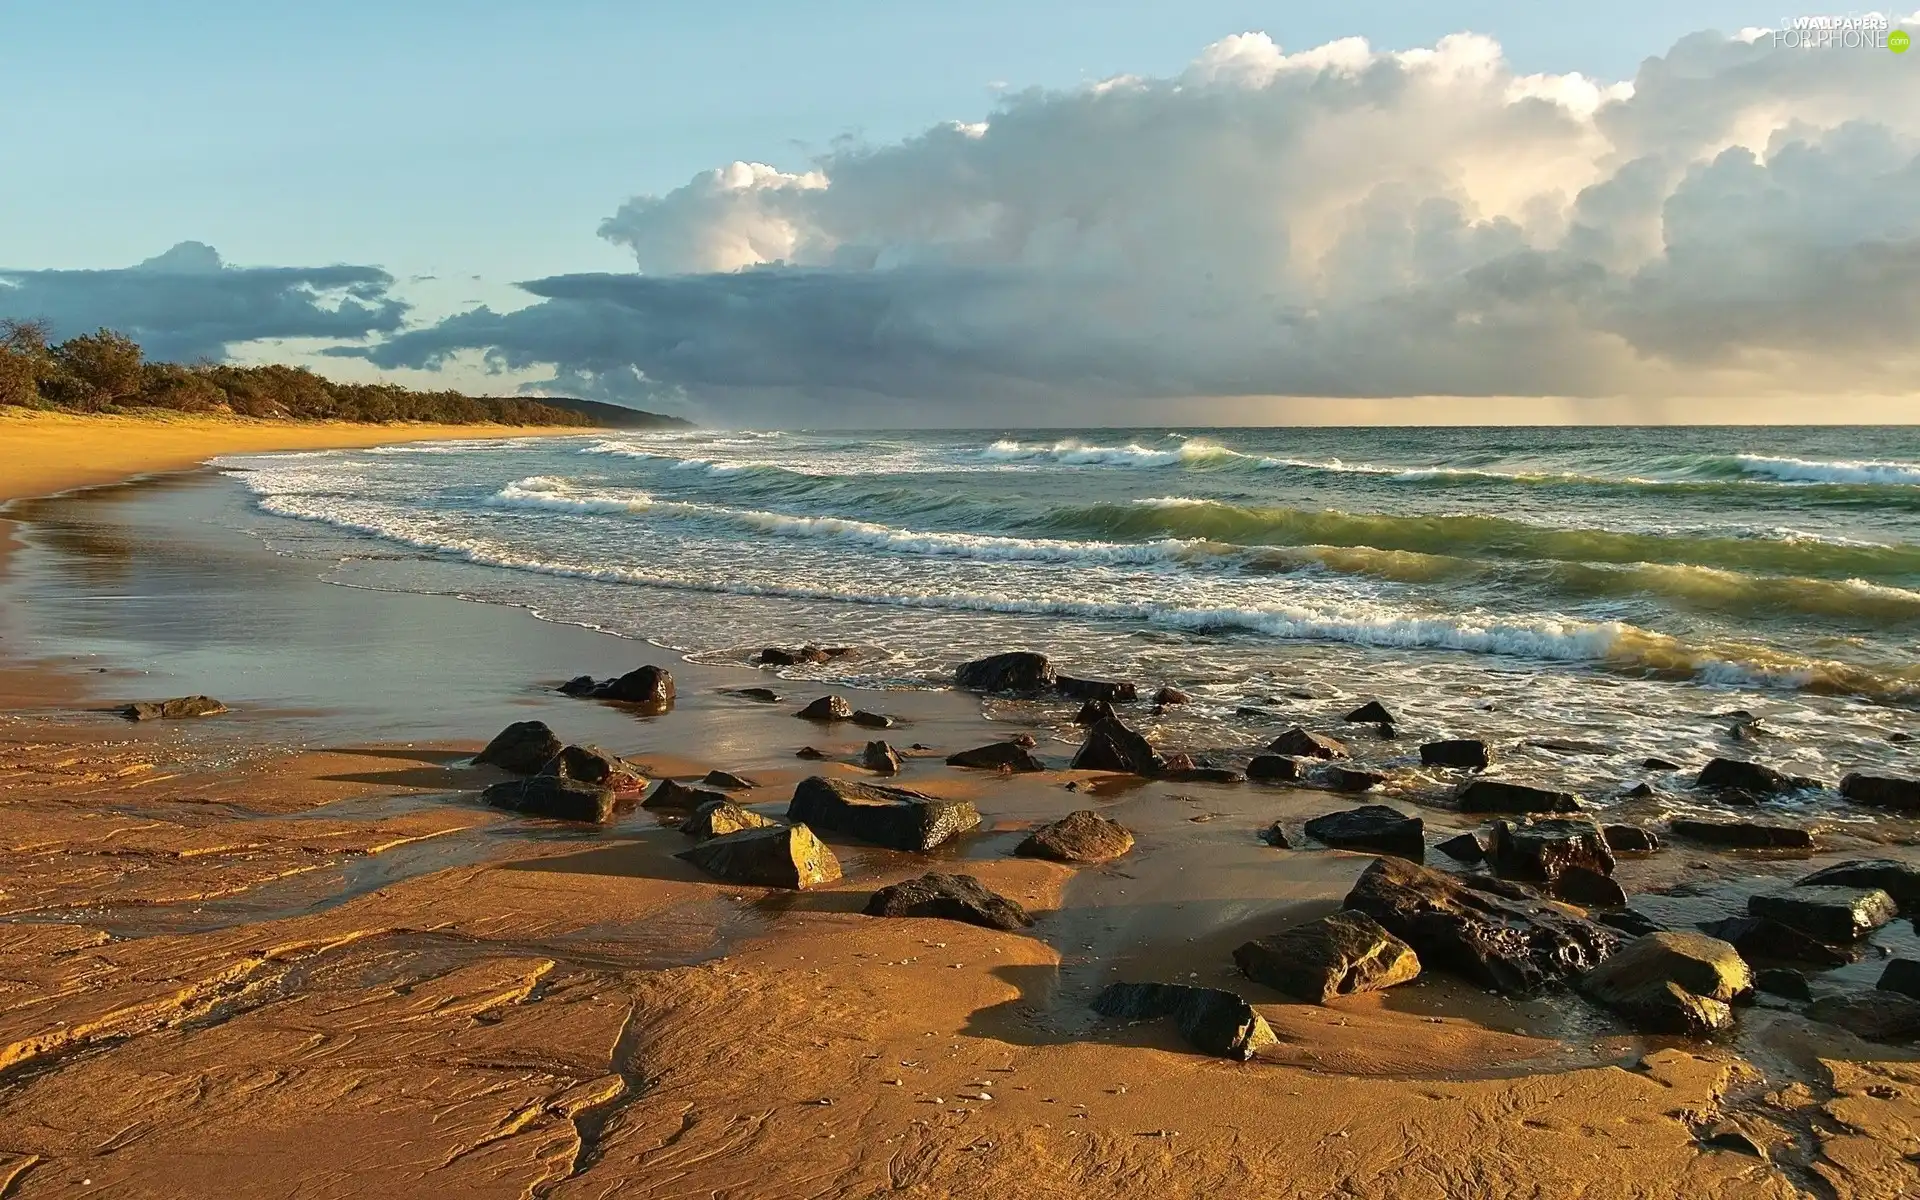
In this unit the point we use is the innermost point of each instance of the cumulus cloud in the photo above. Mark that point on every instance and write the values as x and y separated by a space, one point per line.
186 304
1339 221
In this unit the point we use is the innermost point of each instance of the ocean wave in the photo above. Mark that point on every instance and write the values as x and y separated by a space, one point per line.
1809 470
1190 452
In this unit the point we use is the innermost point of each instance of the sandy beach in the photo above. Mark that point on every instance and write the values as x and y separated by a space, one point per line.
285 950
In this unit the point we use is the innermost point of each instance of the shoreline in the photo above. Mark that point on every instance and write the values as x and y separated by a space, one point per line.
365 858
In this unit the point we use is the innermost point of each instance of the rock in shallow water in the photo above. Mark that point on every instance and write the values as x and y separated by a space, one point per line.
1874 1015
1298 743
1093 712
1336 955
728 781
782 856
1882 791
649 686
1352 779
1374 827
1015 671
1495 933
1739 775
554 797
1466 848
880 758
1274 768
1682 983
1782 981
1902 975
522 747
1832 914
1543 848
1371 713
669 796
1113 691
1213 1020
1083 836
1111 746
1630 839
948 897
885 816
1500 796
1469 754
1896 879
718 818
1746 835
1760 940
591 764
177 709
1589 888
827 708
996 755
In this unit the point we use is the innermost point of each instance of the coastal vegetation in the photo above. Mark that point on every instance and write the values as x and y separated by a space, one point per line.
106 372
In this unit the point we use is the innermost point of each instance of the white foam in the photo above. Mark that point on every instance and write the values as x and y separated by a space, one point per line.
1810 470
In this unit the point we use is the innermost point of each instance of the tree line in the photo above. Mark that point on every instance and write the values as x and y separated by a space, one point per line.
106 372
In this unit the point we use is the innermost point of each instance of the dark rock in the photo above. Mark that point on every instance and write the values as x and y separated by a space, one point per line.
1111 746
871 720
810 754
994 757
1882 791
728 781
1371 713
1213 1021
651 686
1899 738
1275 835
1639 791
1630 922
1874 1015
1832 914
1513 944
1168 696
554 797
783 856
1760 940
1373 827
1499 796
1093 712
1540 849
1902 975
759 695
948 898
1734 774
880 758
1466 848
885 816
1745 731
1737 714
1660 764
1113 691
780 656
579 685
1589 888
1782 981
1630 839
591 764
1747 835
1352 779
177 709
1083 836
1336 955
1298 743
1685 983
827 708
1274 768
522 747
1203 775
1571 746
718 818
1017 671
669 796
1466 753
1386 732
1896 879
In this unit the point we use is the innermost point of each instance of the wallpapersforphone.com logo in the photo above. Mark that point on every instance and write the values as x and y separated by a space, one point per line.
1871 31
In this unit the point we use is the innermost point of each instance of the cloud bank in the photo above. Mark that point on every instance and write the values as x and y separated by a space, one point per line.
186 304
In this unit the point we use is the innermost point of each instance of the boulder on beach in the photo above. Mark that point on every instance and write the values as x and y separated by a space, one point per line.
1020 671
1274 768
1298 743
554 797
1169 696
1113 691
1351 779
1082 836
718 818
1897 879
996 756
1371 713
1466 848
1468 754
1483 795
1764 941
727 781
1335 955
1882 791
1111 746
1542 848
1372 827
177 709
894 817
668 796
1746 835
827 708
1212 1020
780 856
591 764
1832 914
1497 934
522 747
1739 775
949 898
1871 1014
1630 839
880 758
1684 983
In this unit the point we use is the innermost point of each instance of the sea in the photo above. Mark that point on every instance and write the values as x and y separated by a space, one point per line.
1586 598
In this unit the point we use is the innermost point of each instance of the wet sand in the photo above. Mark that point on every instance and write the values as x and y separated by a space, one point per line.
286 950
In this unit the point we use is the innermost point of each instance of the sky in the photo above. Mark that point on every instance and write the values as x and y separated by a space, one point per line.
908 212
